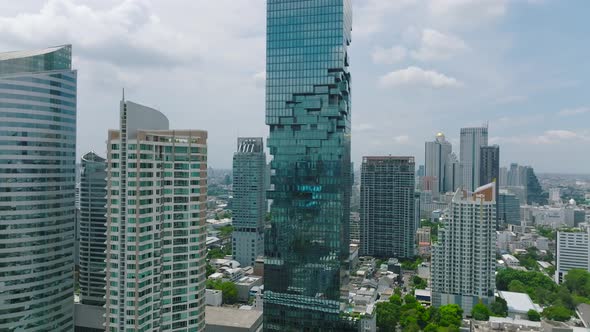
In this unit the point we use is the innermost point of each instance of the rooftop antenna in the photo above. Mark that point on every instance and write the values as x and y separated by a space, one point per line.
123 94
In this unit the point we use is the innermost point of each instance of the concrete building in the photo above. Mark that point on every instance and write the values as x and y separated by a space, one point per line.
423 241
573 252
249 200
471 140
224 319
388 226
37 189
453 173
88 318
156 211
463 262
436 157
510 260
244 285
213 297
92 222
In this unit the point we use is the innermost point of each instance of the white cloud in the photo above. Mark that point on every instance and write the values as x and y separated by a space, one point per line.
554 136
574 111
417 76
402 139
370 15
435 45
467 12
389 56
129 33
260 79
362 127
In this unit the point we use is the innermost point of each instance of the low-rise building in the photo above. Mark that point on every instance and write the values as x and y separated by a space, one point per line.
213 297
510 260
244 285
225 319
518 304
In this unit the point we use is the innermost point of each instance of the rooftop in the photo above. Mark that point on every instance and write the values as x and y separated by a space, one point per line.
28 53
517 302
231 317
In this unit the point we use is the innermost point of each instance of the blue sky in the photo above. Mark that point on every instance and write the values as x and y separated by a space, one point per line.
418 66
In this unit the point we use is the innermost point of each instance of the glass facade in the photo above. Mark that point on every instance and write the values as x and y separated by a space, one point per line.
249 200
308 112
37 189
92 229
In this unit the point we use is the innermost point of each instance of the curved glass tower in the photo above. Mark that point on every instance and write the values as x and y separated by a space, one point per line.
308 112
37 189
93 229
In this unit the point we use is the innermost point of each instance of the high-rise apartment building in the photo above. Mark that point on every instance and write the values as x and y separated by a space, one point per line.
308 112
93 228
463 259
249 200
388 227
37 189
573 252
436 157
472 139
156 210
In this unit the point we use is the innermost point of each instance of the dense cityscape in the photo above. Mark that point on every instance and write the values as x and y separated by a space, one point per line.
143 233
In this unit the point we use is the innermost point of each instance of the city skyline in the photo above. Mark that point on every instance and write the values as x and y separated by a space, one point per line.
547 117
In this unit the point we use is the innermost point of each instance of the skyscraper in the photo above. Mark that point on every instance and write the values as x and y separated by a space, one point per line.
92 229
436 157
472 139
489 170
573 252
388 227
463 259
156 210
37 189
308 113
249 200
453 173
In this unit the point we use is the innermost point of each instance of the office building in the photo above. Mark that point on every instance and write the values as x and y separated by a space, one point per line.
472 139
388 227
453 173
249 200
37 189
436 157
308 112
464 258
156 211
92 229
508 209
489 169
573 252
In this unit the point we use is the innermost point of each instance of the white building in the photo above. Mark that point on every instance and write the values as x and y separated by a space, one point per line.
463 263
518 304
510 260
573 252
156 206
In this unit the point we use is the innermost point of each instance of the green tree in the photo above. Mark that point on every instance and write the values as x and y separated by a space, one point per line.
209 269
480 312
431 327
577 282
499 308
517 286
557 312
229 292
534 315
419 283
226 231
450 315
215 253
388 315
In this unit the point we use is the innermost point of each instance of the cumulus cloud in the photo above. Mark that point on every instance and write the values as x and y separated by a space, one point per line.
435 45
389 56
574 111
417 76
370 15
128 33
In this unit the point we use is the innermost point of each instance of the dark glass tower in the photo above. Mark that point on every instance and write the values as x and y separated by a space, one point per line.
93 229
489 171
308 113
